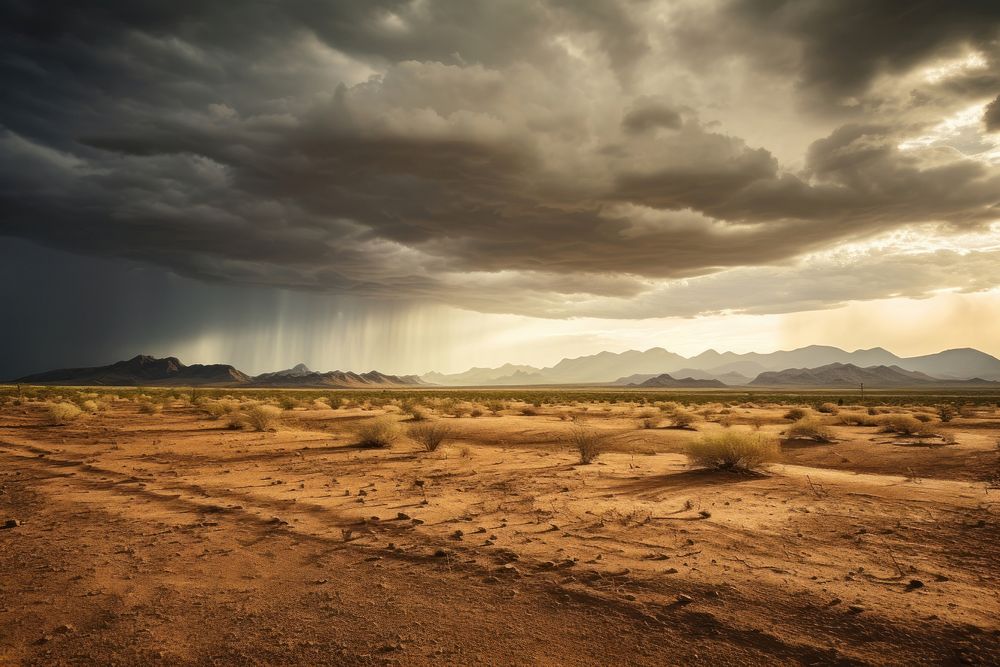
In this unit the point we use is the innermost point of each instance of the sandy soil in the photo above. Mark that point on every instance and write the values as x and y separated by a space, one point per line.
168 539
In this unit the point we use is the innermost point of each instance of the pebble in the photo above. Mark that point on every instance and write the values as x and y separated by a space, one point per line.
11 523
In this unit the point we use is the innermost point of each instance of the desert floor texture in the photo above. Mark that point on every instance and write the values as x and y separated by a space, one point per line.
172 539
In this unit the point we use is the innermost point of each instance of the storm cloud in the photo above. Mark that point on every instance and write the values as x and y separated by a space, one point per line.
544 158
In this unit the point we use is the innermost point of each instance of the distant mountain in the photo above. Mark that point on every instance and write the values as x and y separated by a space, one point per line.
334 379
730 378
479 376
145 370
609 367
666 380
296 371
142 370
849 375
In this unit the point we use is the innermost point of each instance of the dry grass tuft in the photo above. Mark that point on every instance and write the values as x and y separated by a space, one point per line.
379 433
903 425
810 429
737 451
262 417
57 414
588 442
430 435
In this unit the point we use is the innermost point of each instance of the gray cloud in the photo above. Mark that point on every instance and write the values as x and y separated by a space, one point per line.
405 150
991 117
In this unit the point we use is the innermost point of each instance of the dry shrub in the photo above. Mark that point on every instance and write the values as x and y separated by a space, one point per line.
430 435
262 417
946 412
810 429
795 414
902 424
529 411
652 421
737 451
476 412
681 418
828 408
417 412
150 408
496 407
378 433
90 406
57 414
588 442
855 419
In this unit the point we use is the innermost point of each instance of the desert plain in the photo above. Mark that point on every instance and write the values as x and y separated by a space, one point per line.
163 527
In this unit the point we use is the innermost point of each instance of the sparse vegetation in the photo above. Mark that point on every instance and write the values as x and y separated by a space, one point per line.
378 433
430 435
588 442
902 424
681 418
810 428
795 414
262 417
57 414
737 451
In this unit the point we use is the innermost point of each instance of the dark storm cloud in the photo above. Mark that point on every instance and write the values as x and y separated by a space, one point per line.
397 148
991 117
845 44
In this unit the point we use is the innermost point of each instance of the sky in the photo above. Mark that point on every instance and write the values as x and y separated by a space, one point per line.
415 185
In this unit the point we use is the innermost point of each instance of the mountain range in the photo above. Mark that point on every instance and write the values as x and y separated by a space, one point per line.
144 370
812 366
730 368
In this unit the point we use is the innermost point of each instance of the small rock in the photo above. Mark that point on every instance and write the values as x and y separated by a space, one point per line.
65 629
457 535
855 609
440 553
403 516
12 523
914 585
670 570
491 580
684 599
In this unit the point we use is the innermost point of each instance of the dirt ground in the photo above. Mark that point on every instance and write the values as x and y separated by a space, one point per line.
170 539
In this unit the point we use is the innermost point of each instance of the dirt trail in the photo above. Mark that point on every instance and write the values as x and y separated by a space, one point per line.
172 542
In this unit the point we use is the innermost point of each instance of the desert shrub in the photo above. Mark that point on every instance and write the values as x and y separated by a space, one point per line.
262 417
496 407
828 408
476 412
946 412
150 408
902 424
855 418
417 413
810 429
669 406
90 406
588 443
733 450
321 404
57 414
430 435
235 420
287 402
923 417
681 418
461 409
378 433
529 411
795 414
651 421
756 422
648 413
726 420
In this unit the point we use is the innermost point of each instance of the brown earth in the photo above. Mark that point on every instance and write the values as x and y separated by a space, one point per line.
169 539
